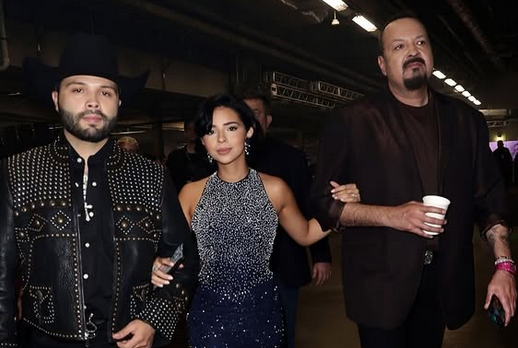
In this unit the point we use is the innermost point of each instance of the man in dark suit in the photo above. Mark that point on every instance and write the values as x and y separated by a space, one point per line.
505 161
401 285
289 260
190 163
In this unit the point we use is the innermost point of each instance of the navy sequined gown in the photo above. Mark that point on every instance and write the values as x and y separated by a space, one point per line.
236 304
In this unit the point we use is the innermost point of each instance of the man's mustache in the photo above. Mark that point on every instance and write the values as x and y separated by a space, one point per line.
92 112
413 60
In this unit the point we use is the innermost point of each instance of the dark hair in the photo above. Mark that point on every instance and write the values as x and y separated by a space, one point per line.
203 123
400 15
262 97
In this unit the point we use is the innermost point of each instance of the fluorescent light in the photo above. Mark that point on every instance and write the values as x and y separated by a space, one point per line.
496 112
364 23
338 5
466 94
459 88
438 74
472 99
477 102
450 82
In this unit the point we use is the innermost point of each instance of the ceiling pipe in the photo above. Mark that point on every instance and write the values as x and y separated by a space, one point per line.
465 52
469 21
288 53
3 40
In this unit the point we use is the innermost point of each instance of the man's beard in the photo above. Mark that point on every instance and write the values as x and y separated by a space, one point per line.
71 123
415 82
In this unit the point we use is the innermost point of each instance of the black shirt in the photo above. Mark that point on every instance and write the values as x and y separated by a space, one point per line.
422 133
91 195
421 127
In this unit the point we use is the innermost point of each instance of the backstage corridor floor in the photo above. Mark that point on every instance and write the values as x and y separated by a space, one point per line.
322 322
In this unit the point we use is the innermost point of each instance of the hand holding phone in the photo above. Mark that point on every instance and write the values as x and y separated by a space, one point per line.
177 259
496 312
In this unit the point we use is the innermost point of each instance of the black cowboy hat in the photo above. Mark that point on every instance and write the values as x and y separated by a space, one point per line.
84 55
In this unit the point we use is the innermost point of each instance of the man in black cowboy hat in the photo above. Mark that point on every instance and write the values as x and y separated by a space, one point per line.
83 220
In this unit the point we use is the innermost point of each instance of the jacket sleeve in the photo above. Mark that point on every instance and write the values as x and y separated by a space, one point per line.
300 182
8 264
320 251
166 305
331 164
490 194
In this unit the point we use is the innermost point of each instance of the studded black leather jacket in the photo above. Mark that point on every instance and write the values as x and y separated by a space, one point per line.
40 240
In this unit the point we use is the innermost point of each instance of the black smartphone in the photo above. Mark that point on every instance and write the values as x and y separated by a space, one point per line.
177 258
496 312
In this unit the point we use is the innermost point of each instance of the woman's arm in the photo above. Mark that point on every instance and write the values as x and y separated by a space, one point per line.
291 219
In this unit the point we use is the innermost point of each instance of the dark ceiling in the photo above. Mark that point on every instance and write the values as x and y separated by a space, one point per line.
475 41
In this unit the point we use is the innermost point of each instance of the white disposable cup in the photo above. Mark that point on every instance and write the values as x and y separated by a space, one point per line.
435 201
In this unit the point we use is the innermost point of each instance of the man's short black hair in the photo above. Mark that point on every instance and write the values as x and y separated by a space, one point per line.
400 15
261 96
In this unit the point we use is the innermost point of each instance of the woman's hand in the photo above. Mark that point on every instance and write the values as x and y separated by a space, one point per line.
347 193
158 277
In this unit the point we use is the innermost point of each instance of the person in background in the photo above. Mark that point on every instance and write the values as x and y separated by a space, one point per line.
129 144
505 161
189 163
83 220
289 260
402 285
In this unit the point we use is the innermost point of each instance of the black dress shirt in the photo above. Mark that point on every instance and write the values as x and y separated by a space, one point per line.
90 191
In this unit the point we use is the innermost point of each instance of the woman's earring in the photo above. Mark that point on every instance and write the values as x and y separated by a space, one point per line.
209 157
247 148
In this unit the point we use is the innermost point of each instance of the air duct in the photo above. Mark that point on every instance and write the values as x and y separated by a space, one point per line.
278 48
469 21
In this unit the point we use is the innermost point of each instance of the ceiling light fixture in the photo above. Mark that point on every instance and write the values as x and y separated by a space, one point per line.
450 82
477 102
459 88
364 23
472 99
466 94
338 5
438 74
335 20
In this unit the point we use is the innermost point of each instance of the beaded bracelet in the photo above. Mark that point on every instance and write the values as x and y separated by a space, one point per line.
501 259
506 266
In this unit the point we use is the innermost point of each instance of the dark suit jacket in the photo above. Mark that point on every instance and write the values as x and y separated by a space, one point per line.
185 167
289 259
366 143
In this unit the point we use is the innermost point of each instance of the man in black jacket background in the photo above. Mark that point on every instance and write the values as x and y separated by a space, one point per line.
289 260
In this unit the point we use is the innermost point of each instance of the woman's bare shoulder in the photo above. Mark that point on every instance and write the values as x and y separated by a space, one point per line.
192 191
273 184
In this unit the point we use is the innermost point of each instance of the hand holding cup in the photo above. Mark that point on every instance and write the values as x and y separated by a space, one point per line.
438 202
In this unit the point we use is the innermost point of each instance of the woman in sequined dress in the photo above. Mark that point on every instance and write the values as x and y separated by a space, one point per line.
234 214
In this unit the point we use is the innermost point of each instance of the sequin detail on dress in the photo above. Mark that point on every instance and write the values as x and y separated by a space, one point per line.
236 304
